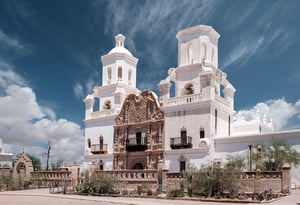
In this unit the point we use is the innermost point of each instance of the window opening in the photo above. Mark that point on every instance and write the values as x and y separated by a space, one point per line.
202 133
138 138
216 121
183 136
89 143
120 73
182 166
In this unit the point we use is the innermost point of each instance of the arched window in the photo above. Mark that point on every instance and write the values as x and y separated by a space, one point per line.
129 75
216 121
120 73
101 142
212 55
202 133
101 165
108 75
89 143
190 53
229 123
182 163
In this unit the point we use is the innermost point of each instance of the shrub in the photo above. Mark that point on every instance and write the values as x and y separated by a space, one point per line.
175 193
104 183
89 188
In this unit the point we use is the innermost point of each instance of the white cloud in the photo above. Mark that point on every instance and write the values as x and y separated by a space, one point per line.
81 91
25 124
8 76
78 90
279 110
156 21
258 36
9 41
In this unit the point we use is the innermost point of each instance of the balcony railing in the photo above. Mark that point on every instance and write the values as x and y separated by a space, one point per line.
136 144
97 149
181 142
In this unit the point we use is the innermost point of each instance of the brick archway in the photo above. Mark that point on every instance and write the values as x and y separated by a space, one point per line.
23 166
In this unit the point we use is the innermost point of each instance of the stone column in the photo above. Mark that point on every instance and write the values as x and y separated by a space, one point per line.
286 177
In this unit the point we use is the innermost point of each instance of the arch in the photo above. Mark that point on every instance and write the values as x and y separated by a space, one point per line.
23 165
120 73
182 163
190 53
108 75
203 49
96 104
183 135
172 92
202 132
212 55
101 165
138 166
188 89
129 76
101 142
216 121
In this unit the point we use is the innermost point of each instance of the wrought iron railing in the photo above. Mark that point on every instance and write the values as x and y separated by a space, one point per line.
136 144
181 142
97 149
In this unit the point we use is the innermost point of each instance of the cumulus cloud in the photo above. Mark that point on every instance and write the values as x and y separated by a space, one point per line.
279 111
25 124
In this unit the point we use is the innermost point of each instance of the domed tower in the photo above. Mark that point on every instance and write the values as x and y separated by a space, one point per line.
103 105
201 107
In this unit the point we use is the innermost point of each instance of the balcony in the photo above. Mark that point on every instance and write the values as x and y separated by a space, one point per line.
97 149
136 144
181 143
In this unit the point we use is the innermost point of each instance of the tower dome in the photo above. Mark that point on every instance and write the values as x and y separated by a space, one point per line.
120 45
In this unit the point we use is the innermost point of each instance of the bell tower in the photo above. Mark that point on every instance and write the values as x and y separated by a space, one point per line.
119 65
104 104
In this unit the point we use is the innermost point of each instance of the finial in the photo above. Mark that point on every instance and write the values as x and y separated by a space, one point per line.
120 40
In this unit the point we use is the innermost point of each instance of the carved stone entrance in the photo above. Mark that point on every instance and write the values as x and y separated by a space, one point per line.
138 133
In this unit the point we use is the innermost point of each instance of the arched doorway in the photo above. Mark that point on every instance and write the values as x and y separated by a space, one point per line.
138 166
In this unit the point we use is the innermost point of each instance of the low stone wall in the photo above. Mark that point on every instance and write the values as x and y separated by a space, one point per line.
51 178
5 171
250 182
258 182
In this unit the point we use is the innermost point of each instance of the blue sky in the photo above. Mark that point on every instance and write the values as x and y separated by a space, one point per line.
50 60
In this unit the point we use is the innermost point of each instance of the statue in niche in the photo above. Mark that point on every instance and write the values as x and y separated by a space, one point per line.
107 105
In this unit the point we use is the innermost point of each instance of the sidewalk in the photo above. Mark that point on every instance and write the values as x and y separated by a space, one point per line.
42 196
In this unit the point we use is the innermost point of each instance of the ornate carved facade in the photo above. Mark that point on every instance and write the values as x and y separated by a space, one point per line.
138 133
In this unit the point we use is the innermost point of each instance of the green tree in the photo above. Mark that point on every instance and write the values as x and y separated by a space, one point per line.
36 162
272 158
212 180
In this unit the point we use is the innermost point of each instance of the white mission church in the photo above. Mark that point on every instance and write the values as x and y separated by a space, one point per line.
134 129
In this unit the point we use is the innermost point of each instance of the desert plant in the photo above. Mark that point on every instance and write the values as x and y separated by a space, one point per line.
104 183
175 193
